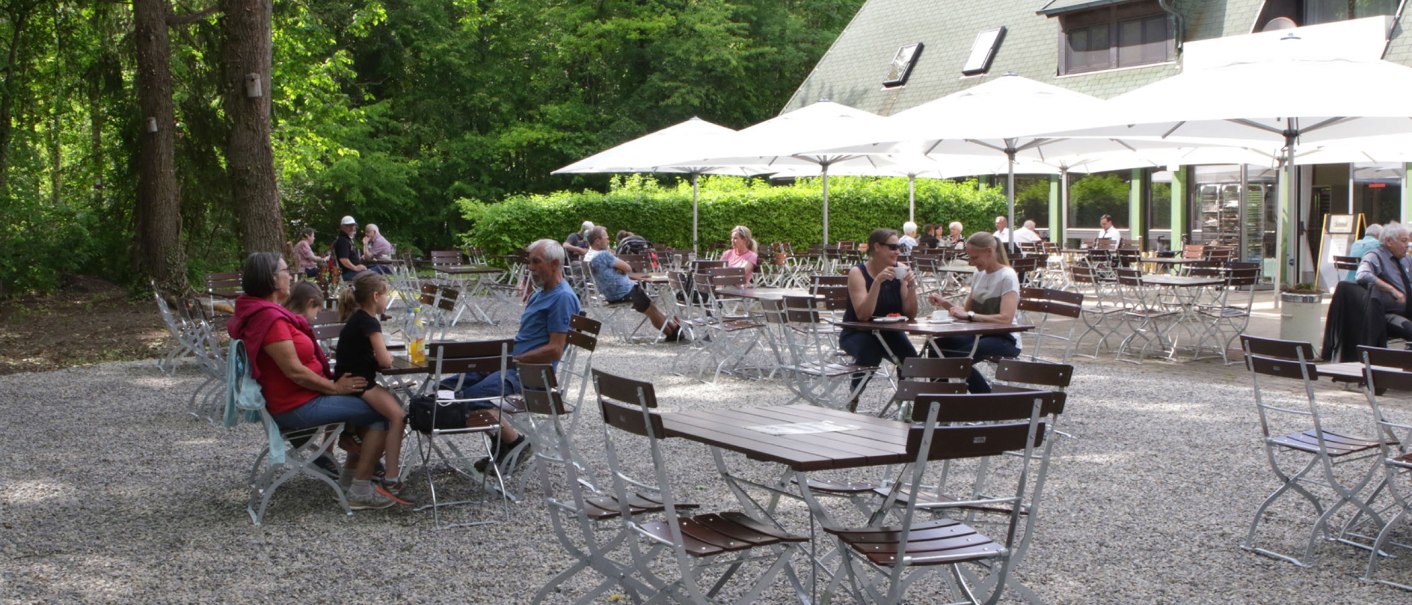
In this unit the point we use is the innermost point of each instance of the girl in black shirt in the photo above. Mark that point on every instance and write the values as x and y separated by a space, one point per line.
362 352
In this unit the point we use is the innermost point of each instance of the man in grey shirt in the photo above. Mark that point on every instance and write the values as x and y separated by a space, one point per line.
1386 270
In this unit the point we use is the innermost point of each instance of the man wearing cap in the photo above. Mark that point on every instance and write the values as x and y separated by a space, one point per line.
347 254
576 244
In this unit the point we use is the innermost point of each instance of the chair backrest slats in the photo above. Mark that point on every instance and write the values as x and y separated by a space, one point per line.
976 407
1057 375
975 441
624 390
541 390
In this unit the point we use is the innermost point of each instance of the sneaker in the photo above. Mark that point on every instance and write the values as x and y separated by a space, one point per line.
381 490
328 467
373 500
502 456
393 487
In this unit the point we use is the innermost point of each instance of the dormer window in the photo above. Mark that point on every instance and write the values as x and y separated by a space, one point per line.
1111 35
902 64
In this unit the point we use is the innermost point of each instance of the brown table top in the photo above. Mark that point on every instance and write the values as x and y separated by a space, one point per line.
651 278
862 440
1347 371
401 366
765 293
930 329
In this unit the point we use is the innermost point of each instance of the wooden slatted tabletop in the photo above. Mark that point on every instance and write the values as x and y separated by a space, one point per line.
863 440
938 329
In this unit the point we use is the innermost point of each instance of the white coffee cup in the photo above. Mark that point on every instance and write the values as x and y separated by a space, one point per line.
899 272
941 315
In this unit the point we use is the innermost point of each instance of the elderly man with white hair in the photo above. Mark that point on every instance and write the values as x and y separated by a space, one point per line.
908 241
375 246
1027 234
1386 271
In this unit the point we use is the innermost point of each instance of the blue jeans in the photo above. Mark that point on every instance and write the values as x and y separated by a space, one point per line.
992 346
868 351
328 409
485 386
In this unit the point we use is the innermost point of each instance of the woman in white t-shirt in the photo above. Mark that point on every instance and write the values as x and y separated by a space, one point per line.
994 298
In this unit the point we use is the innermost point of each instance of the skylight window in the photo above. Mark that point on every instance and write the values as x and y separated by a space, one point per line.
902 64
983 51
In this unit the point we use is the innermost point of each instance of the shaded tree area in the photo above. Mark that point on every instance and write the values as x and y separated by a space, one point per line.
389 110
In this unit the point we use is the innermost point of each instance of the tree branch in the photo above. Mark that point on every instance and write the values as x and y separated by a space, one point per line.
189 18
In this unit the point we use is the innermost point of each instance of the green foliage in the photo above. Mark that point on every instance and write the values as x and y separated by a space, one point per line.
1094 195
791 213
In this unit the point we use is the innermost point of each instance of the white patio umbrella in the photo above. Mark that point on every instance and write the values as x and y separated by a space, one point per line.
997 119
786 142
656 152
1263 109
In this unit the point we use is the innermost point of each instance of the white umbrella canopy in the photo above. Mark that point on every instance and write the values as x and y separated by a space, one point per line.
658 151
997 119
1262 110
789 141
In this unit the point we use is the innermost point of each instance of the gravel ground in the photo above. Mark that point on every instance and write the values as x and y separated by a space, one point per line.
111 493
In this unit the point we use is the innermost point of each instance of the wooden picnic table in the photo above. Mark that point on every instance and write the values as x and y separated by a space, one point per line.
764 293
801 437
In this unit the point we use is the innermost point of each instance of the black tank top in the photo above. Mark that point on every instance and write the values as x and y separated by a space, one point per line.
889 298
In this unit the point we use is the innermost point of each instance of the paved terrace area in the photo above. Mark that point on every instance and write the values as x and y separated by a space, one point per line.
110 492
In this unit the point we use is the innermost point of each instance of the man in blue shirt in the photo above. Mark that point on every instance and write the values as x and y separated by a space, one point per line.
1362 247
543 334
611 275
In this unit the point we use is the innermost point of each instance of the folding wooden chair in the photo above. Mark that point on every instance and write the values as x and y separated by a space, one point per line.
1390 370
1147 319
698 545
450 362
585 516
1309 454
1039 305
1103 312
882 560
819 372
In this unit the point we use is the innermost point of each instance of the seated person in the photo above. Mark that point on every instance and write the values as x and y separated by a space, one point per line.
295 377
954 239
908 241
350 263
1386 270
632 243
1362 247
874 290
375 245
995 297
610 273
928 239
304 254
576 244
1108 231
543 334
1027 234
742 252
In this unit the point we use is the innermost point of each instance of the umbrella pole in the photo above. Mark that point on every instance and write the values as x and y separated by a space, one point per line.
1010 191
912 198
695 218
825 167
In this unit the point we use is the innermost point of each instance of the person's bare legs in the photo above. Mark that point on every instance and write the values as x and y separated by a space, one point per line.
385 403
368 455
658 319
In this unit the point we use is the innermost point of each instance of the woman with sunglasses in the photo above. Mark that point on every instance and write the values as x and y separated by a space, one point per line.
878 287
994 298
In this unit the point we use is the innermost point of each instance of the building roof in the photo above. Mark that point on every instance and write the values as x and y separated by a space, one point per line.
853 69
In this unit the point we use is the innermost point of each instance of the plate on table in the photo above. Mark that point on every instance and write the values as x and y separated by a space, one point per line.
889 320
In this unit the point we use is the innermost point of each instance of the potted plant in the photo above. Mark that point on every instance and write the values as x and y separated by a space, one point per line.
1302 314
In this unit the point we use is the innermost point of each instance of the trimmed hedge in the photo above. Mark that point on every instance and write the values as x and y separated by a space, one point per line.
791 213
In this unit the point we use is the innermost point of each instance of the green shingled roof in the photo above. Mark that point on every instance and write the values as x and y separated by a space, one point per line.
852 71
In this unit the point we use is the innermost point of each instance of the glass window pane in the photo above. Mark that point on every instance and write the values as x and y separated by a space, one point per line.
1094 195
1142 41
1032 200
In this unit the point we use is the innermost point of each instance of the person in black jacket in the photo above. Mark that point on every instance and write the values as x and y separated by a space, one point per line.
1386 271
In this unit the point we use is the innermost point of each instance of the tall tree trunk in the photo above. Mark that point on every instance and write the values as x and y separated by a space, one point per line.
18 15
158 197
246 57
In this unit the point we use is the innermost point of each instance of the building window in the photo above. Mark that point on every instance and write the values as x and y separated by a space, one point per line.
902 64
1328 11
983 51
1122 35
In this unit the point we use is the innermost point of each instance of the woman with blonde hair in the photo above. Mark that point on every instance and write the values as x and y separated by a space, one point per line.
742 252
994 298
362 351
